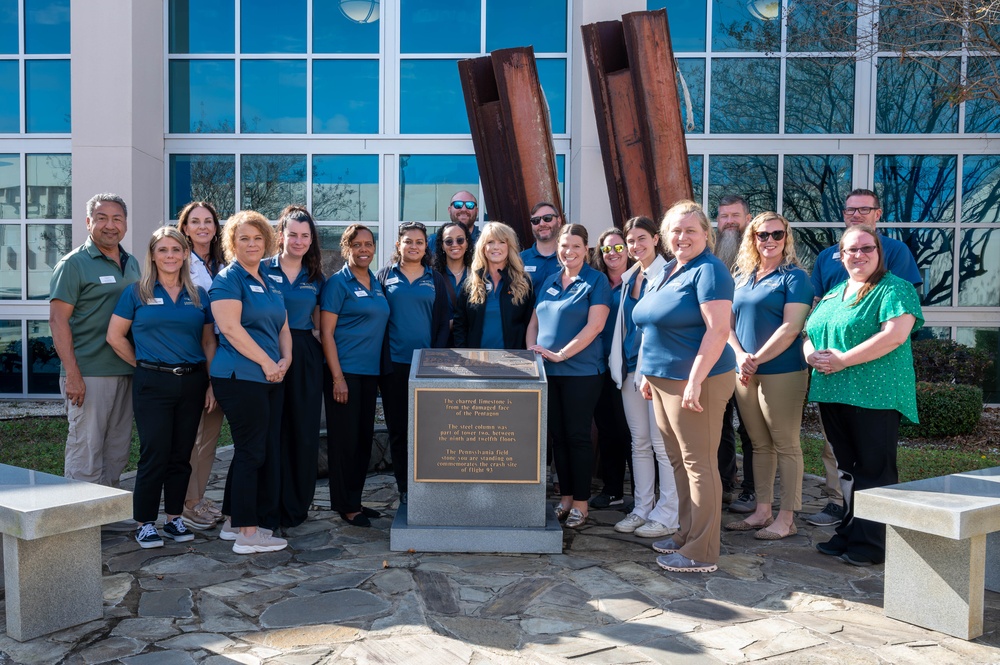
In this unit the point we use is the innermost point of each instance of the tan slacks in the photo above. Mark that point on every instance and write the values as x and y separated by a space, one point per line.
203 454
692 443
100 430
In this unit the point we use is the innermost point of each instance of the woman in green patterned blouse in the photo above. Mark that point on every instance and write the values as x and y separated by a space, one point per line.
858 344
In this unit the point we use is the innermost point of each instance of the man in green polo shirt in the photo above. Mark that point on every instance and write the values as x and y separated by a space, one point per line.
96 383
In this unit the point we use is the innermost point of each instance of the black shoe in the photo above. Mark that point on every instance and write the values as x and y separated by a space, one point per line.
831 515
857 559
402 498
370 512
829 549
358 520
605 501
175 529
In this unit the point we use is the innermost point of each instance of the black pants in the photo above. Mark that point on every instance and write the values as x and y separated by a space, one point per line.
167 411
349 443
300 418
727 451
572 400
395 389
864 441
614 439
254 413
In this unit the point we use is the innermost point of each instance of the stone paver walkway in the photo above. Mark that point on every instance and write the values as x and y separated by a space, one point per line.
338 595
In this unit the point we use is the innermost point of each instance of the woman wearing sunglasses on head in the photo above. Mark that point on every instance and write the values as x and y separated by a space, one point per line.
496 302
419 318
452 257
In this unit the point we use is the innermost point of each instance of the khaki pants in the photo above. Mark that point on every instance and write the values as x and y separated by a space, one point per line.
203 454
771 409
692 443
100 431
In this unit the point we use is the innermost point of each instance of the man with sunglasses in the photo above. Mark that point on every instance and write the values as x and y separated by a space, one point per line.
540 259
862 207
464 210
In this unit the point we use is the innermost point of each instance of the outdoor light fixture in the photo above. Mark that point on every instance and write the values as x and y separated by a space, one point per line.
765 10
360 11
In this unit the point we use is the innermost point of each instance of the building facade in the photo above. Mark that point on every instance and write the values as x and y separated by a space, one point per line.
354 108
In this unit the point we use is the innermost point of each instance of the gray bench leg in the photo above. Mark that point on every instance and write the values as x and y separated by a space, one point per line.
935 582
993 561
52 583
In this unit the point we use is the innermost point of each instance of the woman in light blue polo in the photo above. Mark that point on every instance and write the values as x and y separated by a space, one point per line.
297 271
571 307
171 324
255 351
419 318
353 318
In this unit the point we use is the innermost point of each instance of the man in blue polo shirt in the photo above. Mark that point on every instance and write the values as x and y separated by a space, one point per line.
862 207
540 259
463 209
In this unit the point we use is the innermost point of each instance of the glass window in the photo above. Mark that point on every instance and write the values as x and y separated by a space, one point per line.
696 164
754 177
979 268
980 188
345 97
329 243
267 28
10 262
271 182
202 26
430 98
686 19
693 71
47 243
920 26
335 31
9 29
47 98
10 96
912 96
822 26
427 183
46 26
209 178
11 363
50 186
273 96
810 241
10 186
982 115
745 95
432 26
345 188
538 23
916 188
552 78
202 96
985 339
746 25
933 250
815 187
819 96
43 363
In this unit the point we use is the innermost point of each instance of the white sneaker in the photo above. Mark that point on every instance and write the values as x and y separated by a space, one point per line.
653 529
227 532
260 541
629 524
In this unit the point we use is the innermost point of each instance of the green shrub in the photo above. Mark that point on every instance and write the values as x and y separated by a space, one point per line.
947 361
945 409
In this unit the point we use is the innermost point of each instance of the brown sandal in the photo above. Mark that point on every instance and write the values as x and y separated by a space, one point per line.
744 525
764 534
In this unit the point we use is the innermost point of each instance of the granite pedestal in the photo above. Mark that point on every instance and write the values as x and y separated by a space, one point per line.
52 549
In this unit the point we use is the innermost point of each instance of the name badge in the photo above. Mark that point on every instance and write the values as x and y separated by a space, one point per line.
155 301
256 289
552 291
489 287
278 278
108 279
361 293
836 255
530 268
391 281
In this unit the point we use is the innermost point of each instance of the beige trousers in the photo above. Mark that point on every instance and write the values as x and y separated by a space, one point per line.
203 454
100 430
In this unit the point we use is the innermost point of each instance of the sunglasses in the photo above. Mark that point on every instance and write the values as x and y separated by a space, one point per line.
764 235
866 249
617 248
458 205
454 241
535 221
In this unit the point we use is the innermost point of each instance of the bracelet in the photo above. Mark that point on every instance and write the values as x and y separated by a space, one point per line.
561 354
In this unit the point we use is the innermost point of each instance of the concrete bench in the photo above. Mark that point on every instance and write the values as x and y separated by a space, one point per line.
51 530
942 548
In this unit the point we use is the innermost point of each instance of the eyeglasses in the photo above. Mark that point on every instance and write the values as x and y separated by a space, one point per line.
764 235
458 205
866 249
454 241
617 248
535 221
861 211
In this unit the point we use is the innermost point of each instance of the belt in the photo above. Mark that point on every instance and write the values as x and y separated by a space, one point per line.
179 370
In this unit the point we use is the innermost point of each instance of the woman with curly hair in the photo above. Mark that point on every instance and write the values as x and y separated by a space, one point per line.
452 257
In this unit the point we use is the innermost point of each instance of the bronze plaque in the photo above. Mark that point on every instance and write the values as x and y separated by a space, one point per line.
476 436
477 363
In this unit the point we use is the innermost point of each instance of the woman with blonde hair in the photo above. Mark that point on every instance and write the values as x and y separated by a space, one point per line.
496 300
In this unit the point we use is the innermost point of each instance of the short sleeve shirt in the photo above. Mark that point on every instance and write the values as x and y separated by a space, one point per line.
888 382
362 315
562 314
301 296
165 331
411 306
538 266
93 283
669 317
759 309
829 271
262 317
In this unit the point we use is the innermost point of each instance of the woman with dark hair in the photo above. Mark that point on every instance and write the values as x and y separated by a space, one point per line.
199 222
496 302
297 272
419 318
171 325
565 329
354 317
452 257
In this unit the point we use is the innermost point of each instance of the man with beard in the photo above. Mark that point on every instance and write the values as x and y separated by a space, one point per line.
732 219
540 259
463 209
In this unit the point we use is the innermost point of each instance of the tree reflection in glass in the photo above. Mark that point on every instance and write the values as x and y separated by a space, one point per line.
345 188
271 182
209 178
819 96
815 187
745 95
916 189
754 177
916 96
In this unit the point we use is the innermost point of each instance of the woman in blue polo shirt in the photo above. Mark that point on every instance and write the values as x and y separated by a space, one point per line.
171 324
297 271
419 318
773 297
255 351
689 373
571 307
353 318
